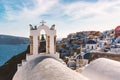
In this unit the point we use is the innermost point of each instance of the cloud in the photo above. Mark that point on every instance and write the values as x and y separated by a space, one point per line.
101 8
78 10
39 7
68 17
19 15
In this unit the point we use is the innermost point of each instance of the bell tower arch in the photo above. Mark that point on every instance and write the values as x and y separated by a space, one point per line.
35 38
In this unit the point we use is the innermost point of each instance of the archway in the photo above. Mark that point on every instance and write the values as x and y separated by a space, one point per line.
46 32
42 41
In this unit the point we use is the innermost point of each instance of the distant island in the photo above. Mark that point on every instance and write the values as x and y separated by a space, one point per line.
8 39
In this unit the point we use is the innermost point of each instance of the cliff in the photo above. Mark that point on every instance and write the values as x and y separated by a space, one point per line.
8 70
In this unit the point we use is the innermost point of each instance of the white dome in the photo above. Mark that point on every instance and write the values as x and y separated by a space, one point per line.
103 69
46 69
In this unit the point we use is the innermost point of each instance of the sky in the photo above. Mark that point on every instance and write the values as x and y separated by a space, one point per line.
69 16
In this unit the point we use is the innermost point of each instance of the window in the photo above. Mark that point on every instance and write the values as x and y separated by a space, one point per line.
92 47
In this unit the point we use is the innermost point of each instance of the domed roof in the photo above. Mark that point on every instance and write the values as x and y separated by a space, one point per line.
117 28
72 64
100 69
91 42
86 56
117 31
41 68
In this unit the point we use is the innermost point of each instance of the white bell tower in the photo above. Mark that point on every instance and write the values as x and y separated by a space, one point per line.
35 38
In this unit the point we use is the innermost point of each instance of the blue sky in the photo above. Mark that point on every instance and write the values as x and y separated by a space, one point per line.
69 15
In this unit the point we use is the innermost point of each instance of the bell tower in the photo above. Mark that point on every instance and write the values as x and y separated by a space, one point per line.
35 38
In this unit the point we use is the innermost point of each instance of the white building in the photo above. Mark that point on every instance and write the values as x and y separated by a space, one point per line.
91 45
117 40
102 43
115 48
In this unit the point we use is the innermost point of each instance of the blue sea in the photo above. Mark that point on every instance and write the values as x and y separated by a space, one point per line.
8 51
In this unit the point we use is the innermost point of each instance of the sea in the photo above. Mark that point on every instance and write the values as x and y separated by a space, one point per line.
7 51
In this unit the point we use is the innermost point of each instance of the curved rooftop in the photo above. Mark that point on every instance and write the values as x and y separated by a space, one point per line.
46 68
91 42
102 69
86 56
117 31
117 28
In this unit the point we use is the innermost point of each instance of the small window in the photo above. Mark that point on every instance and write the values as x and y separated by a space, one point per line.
92 47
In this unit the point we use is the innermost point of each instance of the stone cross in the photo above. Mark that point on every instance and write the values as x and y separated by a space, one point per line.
42 22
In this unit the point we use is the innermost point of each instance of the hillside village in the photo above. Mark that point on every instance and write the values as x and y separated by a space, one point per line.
73 56
81 47
59 40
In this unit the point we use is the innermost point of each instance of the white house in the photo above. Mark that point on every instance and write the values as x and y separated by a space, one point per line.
91 44
115 48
